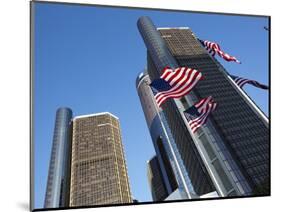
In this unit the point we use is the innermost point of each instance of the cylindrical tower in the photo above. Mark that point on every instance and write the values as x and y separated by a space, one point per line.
157 47
207 153
171 166
162 57
57 192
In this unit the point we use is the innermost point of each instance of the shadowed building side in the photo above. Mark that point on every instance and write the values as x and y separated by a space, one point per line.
155 180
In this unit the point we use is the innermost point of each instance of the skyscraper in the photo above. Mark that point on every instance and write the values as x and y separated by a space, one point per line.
230 154
57 191
156 180
98 168
170 163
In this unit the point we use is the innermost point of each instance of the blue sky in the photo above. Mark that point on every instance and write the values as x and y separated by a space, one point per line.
87 58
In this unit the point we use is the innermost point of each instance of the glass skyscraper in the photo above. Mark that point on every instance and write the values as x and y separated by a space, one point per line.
171 165
57 191
230 154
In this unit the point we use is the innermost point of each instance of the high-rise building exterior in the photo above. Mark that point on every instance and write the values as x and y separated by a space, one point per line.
57 191
230 154
98 169
155 180
171 165
87 165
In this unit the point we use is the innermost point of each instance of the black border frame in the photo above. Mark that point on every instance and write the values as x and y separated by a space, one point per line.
31 91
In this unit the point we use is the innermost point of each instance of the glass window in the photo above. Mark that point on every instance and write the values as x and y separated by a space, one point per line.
224 179
232 193
207 147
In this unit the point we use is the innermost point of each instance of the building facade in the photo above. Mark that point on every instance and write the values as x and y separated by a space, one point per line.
156 180
230 154
175 175
57 191
98 169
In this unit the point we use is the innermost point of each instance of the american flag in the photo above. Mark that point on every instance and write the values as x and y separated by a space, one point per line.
200 112
242 81
214 49
174 83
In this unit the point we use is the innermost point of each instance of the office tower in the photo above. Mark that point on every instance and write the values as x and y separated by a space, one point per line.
230 154
155 180
98 170
171 166
57 191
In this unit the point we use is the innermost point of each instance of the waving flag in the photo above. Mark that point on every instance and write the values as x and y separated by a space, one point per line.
242 81
214 49
200 112
175 83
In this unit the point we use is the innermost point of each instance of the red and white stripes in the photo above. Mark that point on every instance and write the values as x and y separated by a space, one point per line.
209 106
203 103
181 80
214 49
242 81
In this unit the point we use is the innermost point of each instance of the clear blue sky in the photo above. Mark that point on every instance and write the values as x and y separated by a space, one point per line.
87 58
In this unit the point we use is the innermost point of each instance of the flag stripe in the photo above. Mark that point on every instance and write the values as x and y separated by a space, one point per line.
202 119
214 49
183 89
201 123
242 81
196 125
177 77
202 104
165 73
204 107
204 111
181 81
